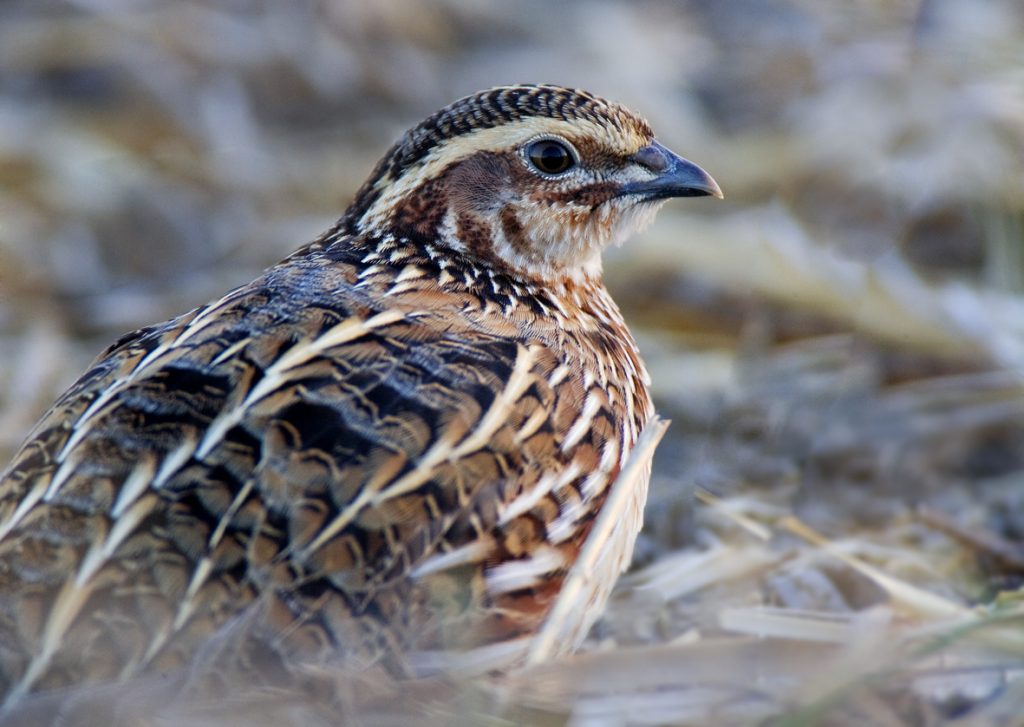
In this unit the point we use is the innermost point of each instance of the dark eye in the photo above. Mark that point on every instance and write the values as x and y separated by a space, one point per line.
550 157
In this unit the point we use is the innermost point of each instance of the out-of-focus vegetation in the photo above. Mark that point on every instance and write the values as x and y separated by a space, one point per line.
836 526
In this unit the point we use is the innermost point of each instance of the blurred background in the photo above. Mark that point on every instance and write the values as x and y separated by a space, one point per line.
840 344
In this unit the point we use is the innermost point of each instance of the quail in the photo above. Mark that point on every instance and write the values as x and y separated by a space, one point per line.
392 444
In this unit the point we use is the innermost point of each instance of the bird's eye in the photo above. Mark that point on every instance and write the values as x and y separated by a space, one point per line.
550 157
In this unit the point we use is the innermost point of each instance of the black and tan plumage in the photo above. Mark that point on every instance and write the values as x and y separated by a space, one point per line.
393 443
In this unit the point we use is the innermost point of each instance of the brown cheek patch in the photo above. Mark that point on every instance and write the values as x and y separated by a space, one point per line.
590 196
478 185
423 210
513 230
471 188
481 182
474 233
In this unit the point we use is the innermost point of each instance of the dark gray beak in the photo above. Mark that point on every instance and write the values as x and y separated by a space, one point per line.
676 177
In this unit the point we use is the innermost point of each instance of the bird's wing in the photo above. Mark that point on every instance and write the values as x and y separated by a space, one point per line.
317 452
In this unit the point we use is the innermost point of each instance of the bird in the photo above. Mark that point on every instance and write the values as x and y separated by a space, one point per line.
392 445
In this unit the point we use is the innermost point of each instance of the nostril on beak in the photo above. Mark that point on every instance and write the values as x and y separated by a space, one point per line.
653 158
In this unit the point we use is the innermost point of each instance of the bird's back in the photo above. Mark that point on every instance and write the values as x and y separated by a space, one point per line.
368 452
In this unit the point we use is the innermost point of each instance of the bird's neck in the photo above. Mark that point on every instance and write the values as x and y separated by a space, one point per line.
510 240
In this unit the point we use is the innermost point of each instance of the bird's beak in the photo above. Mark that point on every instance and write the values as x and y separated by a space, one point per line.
675 176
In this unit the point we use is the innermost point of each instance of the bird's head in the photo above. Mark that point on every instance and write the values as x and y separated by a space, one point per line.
536 180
